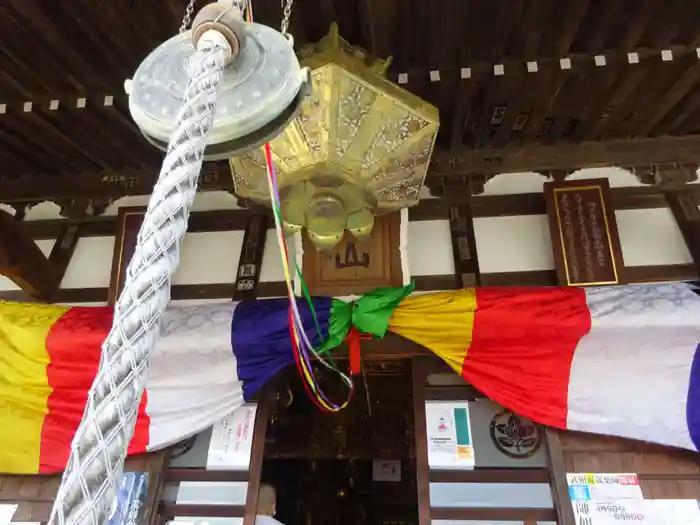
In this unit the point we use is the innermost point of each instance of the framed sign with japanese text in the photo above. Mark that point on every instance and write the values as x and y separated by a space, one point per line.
584 233
354 267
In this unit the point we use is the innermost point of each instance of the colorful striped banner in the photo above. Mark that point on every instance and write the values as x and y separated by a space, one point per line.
615 360
620 360
49 356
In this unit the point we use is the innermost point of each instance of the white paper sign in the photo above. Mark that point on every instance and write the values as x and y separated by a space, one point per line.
232 440
450 444
386 470
603 487
672 511
639 512
6 513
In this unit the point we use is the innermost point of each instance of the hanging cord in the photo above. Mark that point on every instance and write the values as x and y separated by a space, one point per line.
100 444
301 345
303 349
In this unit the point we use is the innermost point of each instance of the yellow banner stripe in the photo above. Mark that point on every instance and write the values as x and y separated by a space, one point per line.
24 388
442 322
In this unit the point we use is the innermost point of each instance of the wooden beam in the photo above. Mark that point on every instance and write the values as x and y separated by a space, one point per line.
461 161
179 292
538 157
23 262
129 181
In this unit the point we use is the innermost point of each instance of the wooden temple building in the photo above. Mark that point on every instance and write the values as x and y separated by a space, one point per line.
532 95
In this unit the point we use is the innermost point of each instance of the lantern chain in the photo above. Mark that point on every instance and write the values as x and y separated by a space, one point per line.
187 19
286 16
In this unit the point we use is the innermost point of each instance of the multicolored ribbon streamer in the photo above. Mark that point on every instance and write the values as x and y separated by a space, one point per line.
303 348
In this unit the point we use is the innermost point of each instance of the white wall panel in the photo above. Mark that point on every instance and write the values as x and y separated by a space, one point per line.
210 257
272 270
490 495
651 237
430 248
513 244
91 264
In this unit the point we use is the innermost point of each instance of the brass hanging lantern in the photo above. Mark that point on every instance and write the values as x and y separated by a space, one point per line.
360 147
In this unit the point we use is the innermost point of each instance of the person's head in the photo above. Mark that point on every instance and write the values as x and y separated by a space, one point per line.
267 500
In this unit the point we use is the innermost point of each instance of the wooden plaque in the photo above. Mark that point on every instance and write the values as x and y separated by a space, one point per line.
128 225
353 267
584 233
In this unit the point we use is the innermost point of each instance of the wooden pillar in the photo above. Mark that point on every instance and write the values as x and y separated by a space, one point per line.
557 472
250 262
421 433
684 207
257 454
464 246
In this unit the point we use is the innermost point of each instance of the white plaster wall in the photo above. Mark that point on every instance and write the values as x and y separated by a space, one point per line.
206 258
513 244
651 237
504 244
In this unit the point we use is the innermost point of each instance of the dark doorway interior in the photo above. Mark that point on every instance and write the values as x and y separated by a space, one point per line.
355 467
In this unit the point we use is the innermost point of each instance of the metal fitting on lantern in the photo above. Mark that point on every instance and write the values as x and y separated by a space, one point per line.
262 89
223 18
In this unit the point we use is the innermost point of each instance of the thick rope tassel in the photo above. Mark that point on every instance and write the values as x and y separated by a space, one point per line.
100 444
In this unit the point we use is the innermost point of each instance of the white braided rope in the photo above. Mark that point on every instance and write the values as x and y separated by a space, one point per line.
100 444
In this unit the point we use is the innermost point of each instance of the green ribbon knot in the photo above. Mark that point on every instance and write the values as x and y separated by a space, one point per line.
370 314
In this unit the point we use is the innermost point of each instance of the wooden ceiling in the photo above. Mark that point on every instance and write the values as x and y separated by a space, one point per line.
493 67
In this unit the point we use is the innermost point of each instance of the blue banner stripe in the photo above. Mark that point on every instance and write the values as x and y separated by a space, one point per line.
260 337
693 404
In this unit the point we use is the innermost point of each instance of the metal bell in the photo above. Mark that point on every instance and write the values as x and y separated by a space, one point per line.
262 91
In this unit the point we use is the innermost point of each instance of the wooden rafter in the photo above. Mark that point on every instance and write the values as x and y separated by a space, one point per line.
70 116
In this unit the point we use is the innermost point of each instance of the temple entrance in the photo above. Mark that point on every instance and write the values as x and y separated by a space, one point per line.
354 467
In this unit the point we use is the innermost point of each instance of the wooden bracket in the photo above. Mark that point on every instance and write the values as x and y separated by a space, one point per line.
62 251
23 262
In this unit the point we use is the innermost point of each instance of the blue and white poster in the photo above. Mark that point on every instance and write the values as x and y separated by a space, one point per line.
129 506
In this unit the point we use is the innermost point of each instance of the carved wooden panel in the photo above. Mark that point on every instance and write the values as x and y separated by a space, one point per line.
353 267
128 225
584 233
